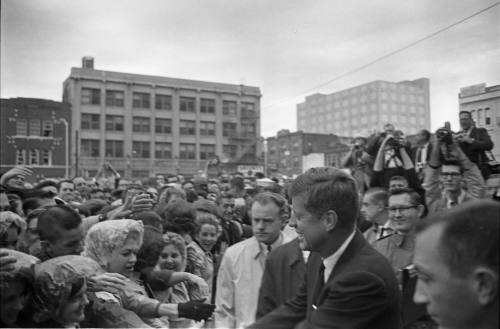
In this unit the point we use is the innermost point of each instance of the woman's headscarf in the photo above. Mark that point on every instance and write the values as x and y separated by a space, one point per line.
57 280
23 267
8 219
105 237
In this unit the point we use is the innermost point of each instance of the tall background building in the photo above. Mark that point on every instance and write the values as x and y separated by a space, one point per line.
363 109
484 104
144 125
34 133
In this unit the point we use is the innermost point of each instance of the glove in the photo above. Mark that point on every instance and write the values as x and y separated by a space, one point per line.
196 310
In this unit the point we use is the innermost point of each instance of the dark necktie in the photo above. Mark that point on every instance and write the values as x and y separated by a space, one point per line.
269 248
320 282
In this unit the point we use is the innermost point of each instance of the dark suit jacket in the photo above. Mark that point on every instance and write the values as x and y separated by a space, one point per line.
284 272
361 292
475 150
414 153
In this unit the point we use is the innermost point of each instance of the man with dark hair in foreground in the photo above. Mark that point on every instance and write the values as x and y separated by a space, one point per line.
456 258
347 283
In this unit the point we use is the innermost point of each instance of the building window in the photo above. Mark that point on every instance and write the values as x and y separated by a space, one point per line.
207 106
47 128
487 116
141 100
33 159
90 147
140 149
248 128
114 122
187 104
229 108
21 127
21 157
91 96
207 151
141 125
207 128
247 110
163 102
163 150
34 128
479 117
114 98
230 150
228 128
91 121
114 149
187 127
46 158
163 126
187 151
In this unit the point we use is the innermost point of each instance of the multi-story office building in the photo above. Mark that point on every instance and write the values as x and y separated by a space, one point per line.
34 133
363 109
286 151
484 104
148 124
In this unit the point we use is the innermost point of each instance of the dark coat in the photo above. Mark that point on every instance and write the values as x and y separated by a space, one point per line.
361 292
283 274
475 150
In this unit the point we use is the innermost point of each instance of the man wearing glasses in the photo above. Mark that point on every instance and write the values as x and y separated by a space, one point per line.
405 210
453 180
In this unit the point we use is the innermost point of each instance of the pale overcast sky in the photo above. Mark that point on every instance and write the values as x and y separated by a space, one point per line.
285 47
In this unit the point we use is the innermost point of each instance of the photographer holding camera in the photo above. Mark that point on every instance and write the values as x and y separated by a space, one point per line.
447 171
474 142
360 163
393 160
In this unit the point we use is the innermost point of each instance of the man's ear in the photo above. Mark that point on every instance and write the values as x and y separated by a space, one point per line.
45 245
485 285
421 210
331 219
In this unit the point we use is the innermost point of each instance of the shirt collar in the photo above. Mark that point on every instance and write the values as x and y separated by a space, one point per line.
460 199
332 260
262 247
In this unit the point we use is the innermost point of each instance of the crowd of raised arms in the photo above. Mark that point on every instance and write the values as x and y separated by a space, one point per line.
400 236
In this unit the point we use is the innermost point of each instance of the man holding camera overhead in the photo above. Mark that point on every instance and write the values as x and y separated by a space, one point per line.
474 142
448 169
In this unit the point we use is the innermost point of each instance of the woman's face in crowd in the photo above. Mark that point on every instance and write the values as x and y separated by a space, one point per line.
72 311
207 236
123 259
171 259
13 299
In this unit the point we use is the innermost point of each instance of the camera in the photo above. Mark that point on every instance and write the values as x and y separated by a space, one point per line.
444 135
395 143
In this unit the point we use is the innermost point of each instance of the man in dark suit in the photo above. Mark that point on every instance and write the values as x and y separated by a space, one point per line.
347 283
283 274
474 141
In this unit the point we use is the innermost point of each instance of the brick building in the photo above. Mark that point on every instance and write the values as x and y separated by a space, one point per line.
288 153
145 124
33 133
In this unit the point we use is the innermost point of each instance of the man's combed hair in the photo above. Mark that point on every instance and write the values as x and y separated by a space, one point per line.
378 195
264 198
54 218
328 188
470 235
415 198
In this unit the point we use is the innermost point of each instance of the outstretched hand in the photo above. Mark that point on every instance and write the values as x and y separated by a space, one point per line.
196 310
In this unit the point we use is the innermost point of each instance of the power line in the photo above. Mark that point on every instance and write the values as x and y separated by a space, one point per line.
392 53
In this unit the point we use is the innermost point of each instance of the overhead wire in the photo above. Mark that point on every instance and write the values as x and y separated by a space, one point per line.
381 58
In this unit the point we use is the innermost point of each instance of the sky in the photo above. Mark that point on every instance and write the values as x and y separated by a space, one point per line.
287 48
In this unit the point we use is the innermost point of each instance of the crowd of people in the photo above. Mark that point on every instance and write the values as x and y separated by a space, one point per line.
402 236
